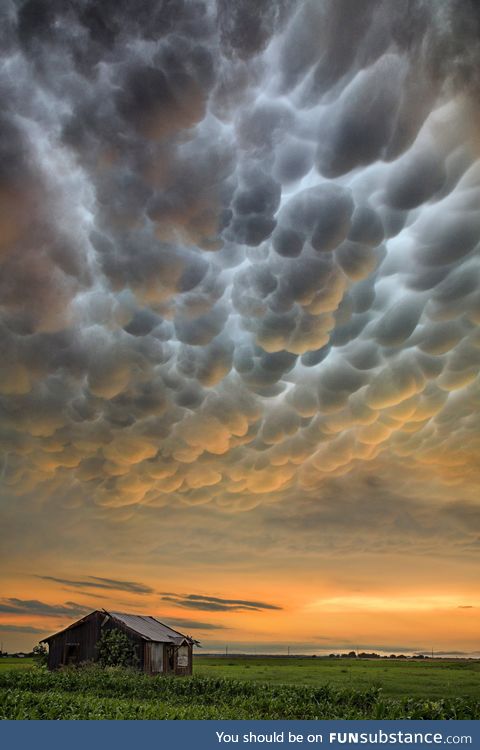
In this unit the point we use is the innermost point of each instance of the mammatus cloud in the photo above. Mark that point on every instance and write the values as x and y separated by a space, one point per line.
102 583
216 604
238 254
35 607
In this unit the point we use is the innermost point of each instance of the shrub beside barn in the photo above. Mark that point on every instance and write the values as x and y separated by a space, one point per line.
156 648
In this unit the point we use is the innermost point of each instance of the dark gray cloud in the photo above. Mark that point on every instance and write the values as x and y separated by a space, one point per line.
216 604
102 583
196 625
41 609
19 629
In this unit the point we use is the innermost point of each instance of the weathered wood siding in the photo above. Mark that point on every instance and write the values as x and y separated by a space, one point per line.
85 634
153 657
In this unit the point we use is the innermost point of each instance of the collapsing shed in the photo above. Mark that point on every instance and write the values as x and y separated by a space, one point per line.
159 649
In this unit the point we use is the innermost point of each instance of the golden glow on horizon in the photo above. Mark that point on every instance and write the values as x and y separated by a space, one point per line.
400 620
408 604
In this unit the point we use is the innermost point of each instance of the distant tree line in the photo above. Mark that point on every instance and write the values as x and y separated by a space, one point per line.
373 655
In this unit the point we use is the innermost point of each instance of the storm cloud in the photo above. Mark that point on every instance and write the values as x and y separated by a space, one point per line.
239 266
219 257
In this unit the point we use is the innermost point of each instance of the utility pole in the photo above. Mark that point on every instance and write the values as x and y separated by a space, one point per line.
288 650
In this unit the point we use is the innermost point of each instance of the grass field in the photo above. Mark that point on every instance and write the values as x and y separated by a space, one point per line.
8 662
397 678
253 688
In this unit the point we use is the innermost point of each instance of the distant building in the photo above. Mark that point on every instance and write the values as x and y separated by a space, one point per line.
159 649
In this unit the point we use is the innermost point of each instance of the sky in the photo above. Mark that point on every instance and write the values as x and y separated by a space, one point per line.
239 308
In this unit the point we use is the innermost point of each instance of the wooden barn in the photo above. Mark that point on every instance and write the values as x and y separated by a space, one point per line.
159 649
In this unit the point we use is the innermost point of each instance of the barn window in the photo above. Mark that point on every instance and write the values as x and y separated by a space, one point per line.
182 657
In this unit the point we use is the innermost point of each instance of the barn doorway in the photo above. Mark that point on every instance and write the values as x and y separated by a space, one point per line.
170 659
154 657
71 653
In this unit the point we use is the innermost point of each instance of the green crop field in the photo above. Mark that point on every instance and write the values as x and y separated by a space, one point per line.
10 662
240 688
397 678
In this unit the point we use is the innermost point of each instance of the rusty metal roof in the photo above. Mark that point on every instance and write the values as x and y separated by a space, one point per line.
149 628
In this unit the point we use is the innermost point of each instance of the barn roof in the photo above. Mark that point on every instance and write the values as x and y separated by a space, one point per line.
147 627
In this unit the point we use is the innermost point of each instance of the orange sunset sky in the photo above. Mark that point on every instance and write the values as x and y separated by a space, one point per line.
239 310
